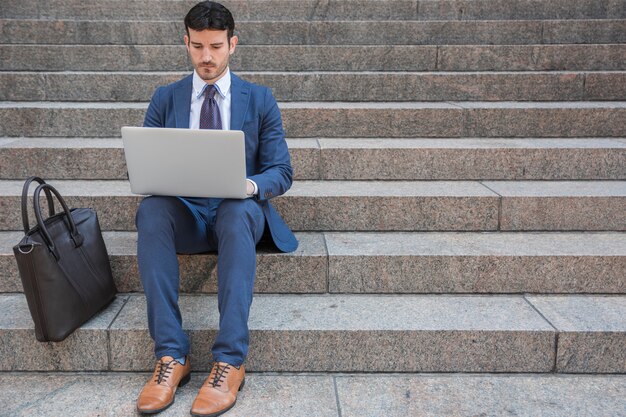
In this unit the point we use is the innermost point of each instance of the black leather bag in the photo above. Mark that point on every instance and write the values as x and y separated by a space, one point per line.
64 266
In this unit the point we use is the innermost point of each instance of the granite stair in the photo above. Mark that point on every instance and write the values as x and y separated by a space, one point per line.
396 263
348 395
459 199
353 158
408 205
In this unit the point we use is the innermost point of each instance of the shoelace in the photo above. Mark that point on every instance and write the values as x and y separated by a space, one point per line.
165 369
219 370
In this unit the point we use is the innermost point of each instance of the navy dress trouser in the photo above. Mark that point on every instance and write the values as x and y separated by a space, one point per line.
165 227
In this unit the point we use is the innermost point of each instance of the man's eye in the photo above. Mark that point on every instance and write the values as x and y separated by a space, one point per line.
197 46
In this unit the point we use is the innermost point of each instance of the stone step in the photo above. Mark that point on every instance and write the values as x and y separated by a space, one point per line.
330 86
570 57
387 205
308 395
345 119
302 271
350 333
320 10
395 263
353 159
133 32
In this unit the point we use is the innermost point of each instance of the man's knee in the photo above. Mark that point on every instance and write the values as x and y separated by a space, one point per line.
234 214
154 209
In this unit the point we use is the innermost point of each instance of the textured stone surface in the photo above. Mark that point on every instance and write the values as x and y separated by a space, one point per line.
115 205
415 205
321 58
286 33
424 86
130 345
462 159
242 9
69 119
305 158
85 349
362 158
597 87
9 274
396 263
63 159
247 58
411 333
591 331
302 271
84 86
524 119
324 10
580 31
327 86
531 57
477 262
115 394
556 205
451 32
371 119
99 158
476 395
345 205
521 9
340 119
270 395
308 205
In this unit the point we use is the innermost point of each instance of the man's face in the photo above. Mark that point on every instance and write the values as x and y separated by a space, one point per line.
209 51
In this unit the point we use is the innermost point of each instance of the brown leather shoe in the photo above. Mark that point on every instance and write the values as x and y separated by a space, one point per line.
159 391
219 392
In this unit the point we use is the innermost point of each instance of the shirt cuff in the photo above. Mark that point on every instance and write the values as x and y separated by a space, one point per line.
256 188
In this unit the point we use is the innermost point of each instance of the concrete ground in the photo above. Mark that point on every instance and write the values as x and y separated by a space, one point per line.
329 395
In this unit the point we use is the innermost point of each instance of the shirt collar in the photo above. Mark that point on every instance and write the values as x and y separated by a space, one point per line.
222 85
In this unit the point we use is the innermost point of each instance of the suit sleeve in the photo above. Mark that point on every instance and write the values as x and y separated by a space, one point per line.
154 117
275 174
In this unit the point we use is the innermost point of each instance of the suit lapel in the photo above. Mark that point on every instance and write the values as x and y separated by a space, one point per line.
182 102
239 100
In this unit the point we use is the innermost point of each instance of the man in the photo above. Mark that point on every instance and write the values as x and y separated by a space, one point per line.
212 97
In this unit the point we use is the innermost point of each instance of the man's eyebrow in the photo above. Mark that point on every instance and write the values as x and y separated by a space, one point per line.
213 44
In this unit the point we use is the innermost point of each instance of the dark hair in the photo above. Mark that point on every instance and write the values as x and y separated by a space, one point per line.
210 15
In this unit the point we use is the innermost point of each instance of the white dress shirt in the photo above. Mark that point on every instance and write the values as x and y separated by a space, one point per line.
223 103
222 98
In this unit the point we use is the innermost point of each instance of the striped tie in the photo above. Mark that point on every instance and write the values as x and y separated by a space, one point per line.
210 113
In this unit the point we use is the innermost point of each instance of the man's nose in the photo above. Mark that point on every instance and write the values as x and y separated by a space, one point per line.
206 55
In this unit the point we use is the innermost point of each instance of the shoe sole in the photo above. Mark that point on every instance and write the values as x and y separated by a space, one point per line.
219 413
182 383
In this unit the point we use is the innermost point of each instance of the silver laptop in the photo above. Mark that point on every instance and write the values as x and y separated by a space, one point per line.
185 162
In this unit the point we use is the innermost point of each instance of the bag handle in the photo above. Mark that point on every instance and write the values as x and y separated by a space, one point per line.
29 180
76 237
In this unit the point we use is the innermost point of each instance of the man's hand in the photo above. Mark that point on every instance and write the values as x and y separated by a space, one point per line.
249 188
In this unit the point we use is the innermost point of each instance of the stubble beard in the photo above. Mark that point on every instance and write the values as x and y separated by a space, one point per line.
211 74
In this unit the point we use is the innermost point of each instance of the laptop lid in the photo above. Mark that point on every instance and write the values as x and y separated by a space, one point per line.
185 162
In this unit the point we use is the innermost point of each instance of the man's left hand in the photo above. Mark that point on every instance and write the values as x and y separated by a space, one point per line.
249 188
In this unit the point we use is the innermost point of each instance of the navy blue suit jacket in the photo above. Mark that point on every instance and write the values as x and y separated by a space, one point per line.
253 110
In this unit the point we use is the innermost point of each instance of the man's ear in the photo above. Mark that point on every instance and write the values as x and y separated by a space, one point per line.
233 44
186 40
